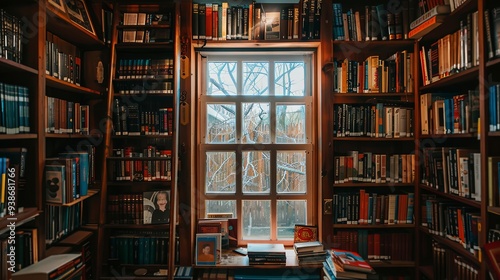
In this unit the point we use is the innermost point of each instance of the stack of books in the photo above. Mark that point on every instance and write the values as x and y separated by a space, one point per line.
265 253
311 252
343 264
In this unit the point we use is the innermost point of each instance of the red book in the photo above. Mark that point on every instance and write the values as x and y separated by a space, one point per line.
351 260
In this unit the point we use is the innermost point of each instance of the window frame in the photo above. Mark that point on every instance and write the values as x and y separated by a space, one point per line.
309 56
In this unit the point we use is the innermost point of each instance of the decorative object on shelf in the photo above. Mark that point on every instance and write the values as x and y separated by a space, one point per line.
78 13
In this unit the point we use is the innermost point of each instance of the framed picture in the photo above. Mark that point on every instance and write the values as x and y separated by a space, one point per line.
58 4
207 248
156 207
78 13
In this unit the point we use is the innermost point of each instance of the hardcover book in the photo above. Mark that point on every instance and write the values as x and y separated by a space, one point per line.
305 233
351 260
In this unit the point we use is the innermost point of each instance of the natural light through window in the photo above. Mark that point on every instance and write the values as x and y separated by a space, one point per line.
255 147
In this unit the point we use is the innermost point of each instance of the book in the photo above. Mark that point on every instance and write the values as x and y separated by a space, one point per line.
55 182
305 233
156 207
437 10
52 267
265 249
351 261
312 246
425 27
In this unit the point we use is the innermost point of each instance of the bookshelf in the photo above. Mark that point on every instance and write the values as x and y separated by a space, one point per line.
28 76
140 166
370 138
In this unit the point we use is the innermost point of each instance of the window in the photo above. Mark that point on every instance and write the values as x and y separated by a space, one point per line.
255 147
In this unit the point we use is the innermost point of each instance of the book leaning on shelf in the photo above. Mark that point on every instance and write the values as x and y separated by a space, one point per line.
427 26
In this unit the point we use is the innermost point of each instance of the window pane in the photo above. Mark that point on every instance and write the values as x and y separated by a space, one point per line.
220 206
255 124
256 172
290 124
255 78
291 172
220 172
223 77
256 219
290 212
289 79
221 125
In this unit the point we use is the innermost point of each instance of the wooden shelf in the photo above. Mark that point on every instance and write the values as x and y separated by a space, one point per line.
9 66
73 135
455 246
143 27
18 136
135 227
391 264
57 250
138 183
145 47
82 198
141 136
76 238
59 24
494 210
494 134
378 226
427 271
70 87
363 49
494 62
463 200
27 215
229 46
467 76
454 136
370 139
372 185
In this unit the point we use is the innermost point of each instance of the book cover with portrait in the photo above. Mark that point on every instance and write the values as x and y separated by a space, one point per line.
156 206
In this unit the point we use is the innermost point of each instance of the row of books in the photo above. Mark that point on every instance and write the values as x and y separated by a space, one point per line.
371 208
493 233
63 116
310 253
25 251
67 176
134 120
443 259
150 165
453 170
494 107
449 113
14 109
60 221
125 208
143 86
451 220
379 120
376 246
11 37
145 28
367 167
452 53
374 75
255 21
62 59
376 22
145 68
141 247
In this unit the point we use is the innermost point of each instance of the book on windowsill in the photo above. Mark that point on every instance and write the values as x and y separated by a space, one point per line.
305 233
308 247
351 261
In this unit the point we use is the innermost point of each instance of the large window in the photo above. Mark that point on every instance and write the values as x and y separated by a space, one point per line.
255 146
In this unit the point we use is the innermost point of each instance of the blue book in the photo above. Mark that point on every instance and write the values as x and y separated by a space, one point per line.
83 162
